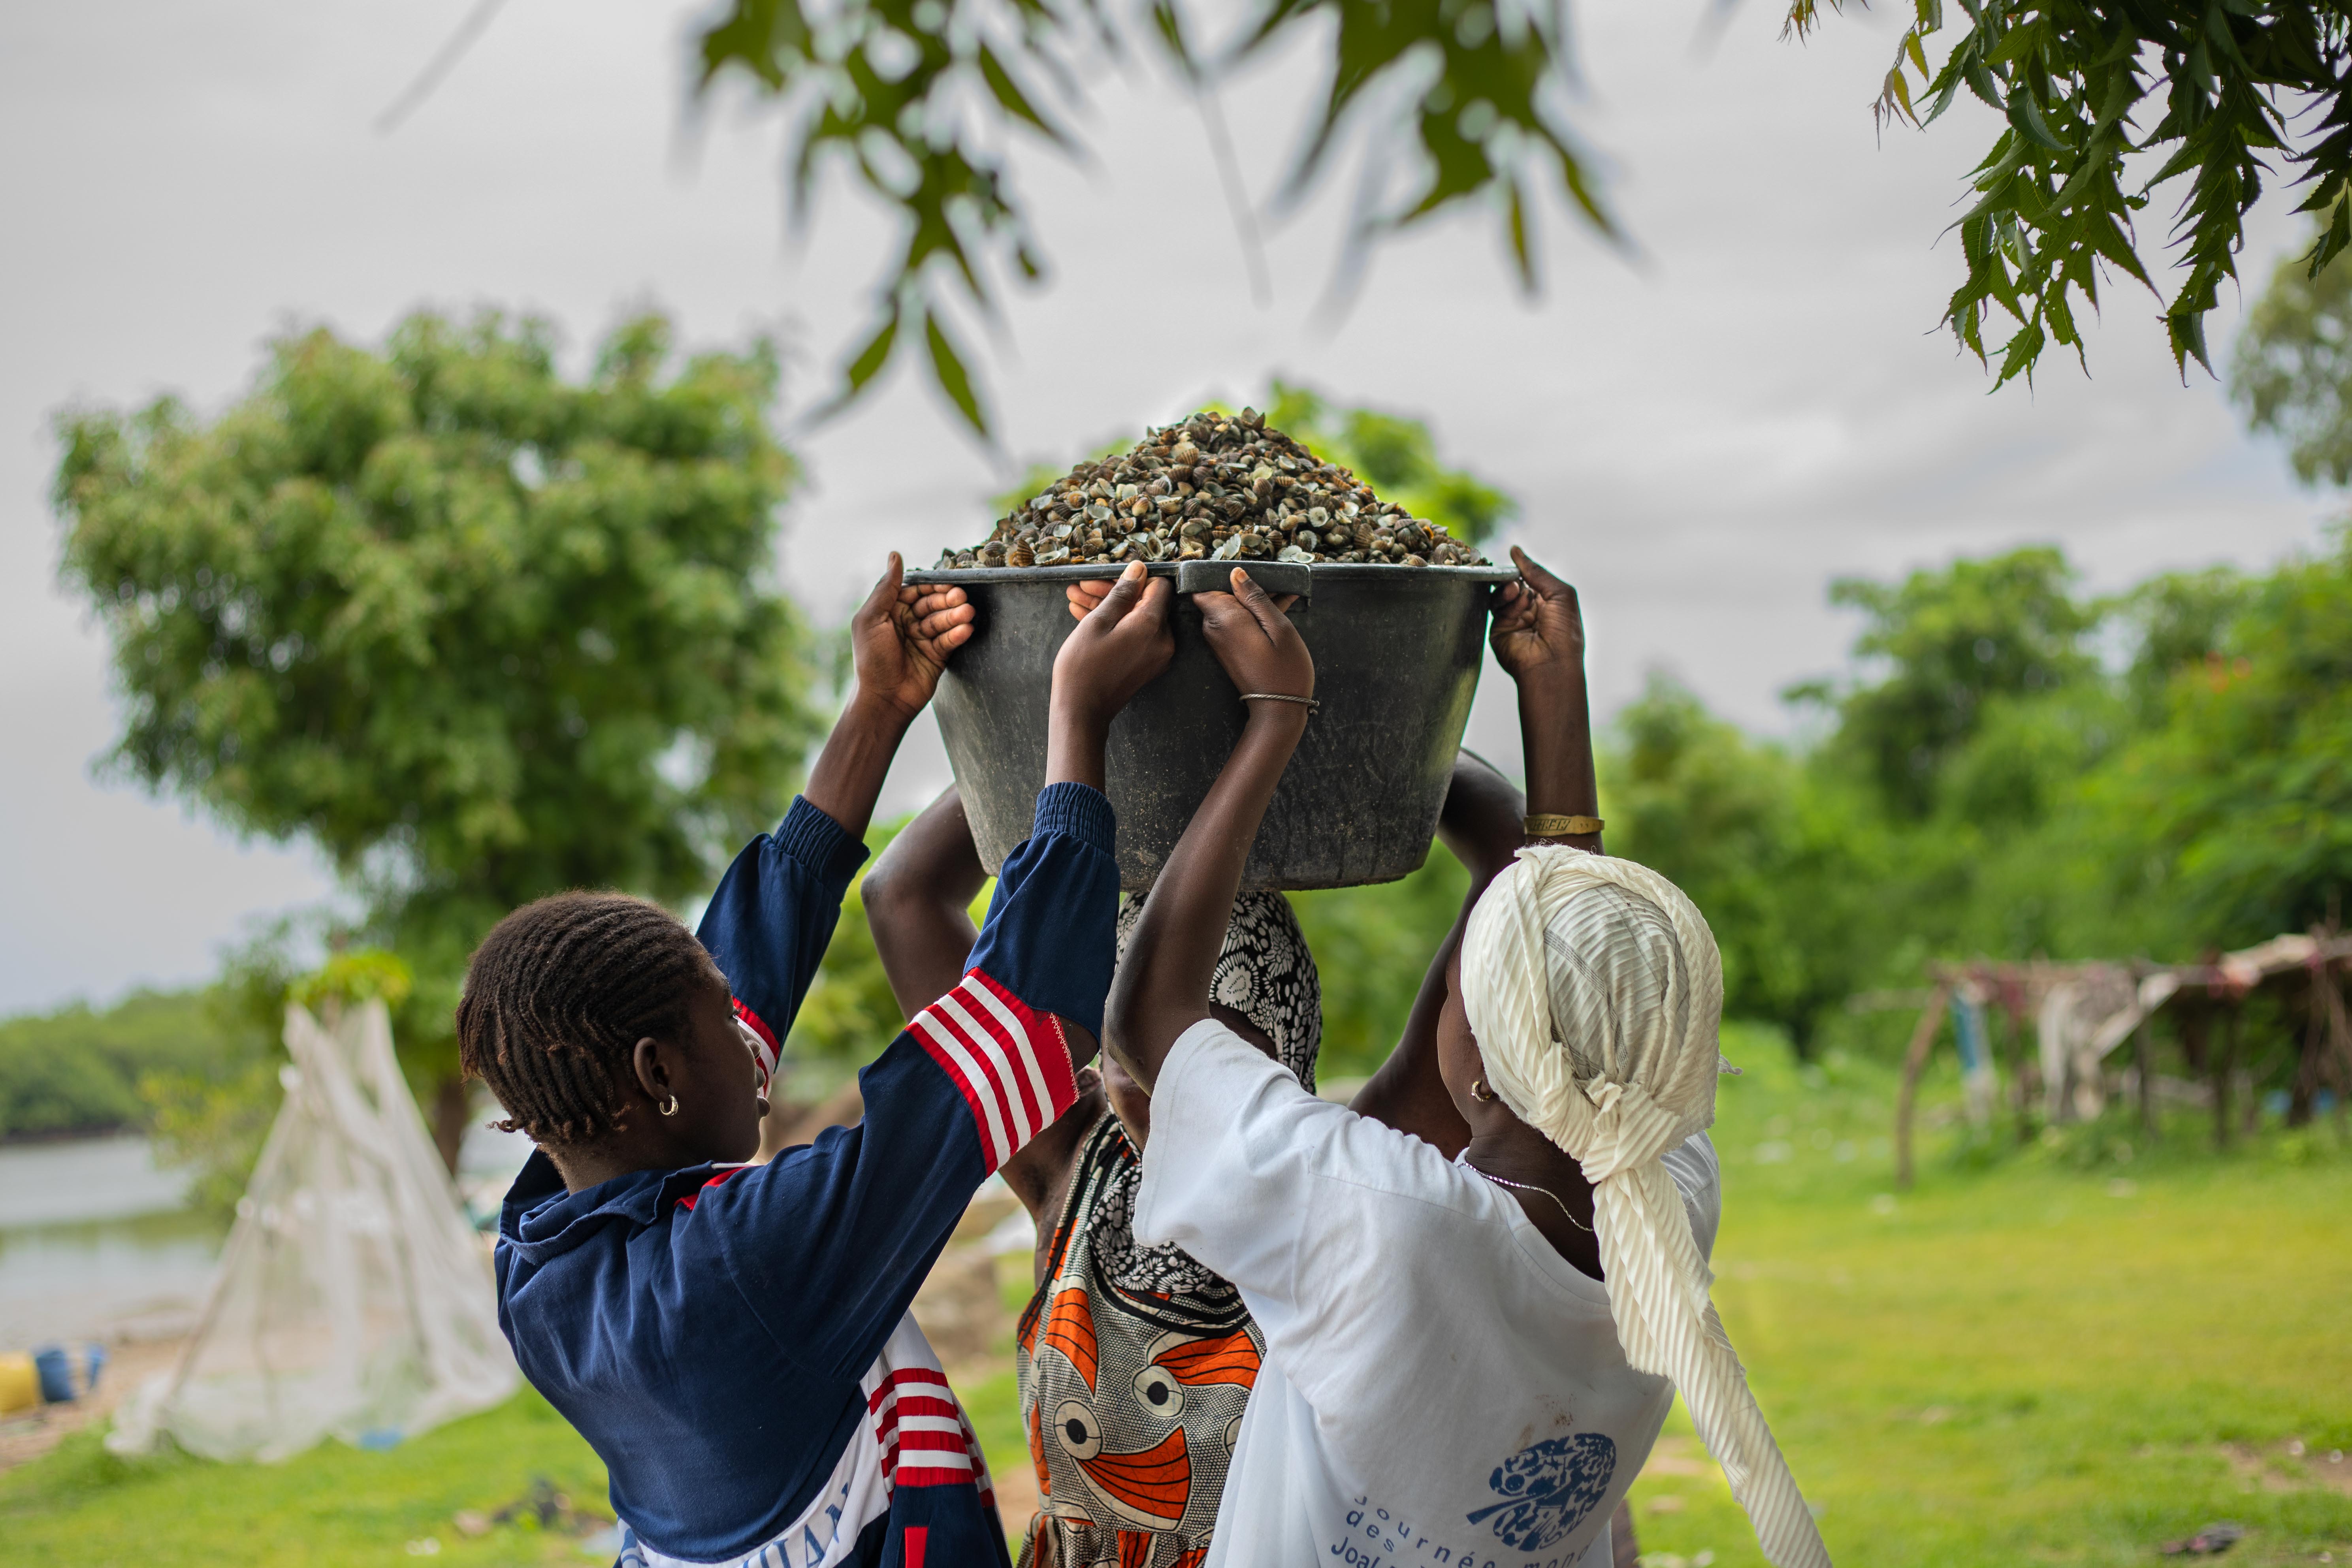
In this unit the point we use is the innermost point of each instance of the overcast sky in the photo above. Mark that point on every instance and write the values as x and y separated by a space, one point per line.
1703 435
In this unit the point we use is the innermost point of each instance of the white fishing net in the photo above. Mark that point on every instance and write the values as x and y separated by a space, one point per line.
353 1299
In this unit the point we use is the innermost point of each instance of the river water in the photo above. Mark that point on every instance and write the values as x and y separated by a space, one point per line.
93 1238
96 1241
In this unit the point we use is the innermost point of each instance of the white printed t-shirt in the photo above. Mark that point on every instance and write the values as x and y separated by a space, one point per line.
1441 1388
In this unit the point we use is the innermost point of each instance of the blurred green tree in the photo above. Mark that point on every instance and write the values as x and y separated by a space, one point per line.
1784 875
2292 369
2176 620
1942 642
78 1069
477 631
2248 786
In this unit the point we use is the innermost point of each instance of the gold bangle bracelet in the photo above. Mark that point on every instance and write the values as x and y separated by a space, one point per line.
1545 825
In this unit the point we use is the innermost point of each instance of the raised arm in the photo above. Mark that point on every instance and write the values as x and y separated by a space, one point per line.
773 914
1106 660
1481 824
918 901
1163 988
1539 639
899 642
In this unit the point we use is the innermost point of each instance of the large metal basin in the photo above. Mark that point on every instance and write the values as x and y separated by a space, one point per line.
1397 651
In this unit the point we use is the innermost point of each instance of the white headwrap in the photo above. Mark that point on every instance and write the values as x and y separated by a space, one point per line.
1595 991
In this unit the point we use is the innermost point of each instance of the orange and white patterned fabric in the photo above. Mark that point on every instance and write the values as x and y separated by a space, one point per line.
1132 1399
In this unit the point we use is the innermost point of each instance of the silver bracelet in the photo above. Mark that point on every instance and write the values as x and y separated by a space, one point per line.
1308 702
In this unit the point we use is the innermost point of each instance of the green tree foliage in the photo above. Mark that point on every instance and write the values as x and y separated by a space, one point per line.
1782 875
2222 94
477 631
78 1069
2248 784
917 100
2102 108
1943 644
2174 621
2292 371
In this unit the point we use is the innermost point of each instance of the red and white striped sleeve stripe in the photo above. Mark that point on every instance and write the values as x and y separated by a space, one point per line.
920 1426
1008 1058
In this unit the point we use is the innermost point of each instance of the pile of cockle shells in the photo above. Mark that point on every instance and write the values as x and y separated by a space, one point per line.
1218 488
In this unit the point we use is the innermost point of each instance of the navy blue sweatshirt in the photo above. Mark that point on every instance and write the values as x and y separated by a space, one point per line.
734 1341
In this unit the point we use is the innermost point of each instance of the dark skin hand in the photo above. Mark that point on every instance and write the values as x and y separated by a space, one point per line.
919 894
900 639
1116 648
1163 988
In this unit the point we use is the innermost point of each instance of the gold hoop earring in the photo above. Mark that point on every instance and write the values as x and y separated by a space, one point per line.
1480 1092
670 1109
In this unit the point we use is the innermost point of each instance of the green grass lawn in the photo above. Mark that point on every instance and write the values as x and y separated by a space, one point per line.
84 1508
2067 1354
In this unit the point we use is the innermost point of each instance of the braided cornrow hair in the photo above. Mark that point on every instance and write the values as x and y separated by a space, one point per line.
557 997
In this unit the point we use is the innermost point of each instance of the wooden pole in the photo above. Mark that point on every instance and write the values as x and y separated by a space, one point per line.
2014 1002
1915 1062
2310 1059
2225 1064
2144 1060
2340 1028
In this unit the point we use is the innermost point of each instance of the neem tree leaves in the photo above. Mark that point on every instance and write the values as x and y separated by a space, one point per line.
917 98
1462 99
2221 93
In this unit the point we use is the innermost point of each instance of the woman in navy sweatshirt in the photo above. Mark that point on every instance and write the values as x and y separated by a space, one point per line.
734 1340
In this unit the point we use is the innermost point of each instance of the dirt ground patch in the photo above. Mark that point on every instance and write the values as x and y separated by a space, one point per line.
2290 1466
130 1363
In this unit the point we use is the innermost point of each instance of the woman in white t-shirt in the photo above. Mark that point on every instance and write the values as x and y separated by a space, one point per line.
1448 1381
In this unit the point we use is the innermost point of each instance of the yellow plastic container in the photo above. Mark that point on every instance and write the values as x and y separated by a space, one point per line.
20 1385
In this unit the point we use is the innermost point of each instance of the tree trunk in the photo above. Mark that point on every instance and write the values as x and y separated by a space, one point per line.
452 1109
2024 1075
2225 1064
2144 1068
2311 1062
2192 1019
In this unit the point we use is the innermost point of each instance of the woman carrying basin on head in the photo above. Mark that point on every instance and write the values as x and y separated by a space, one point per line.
1480 1287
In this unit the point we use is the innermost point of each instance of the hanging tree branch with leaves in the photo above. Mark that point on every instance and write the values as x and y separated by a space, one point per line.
2237 90
919 99
916 98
